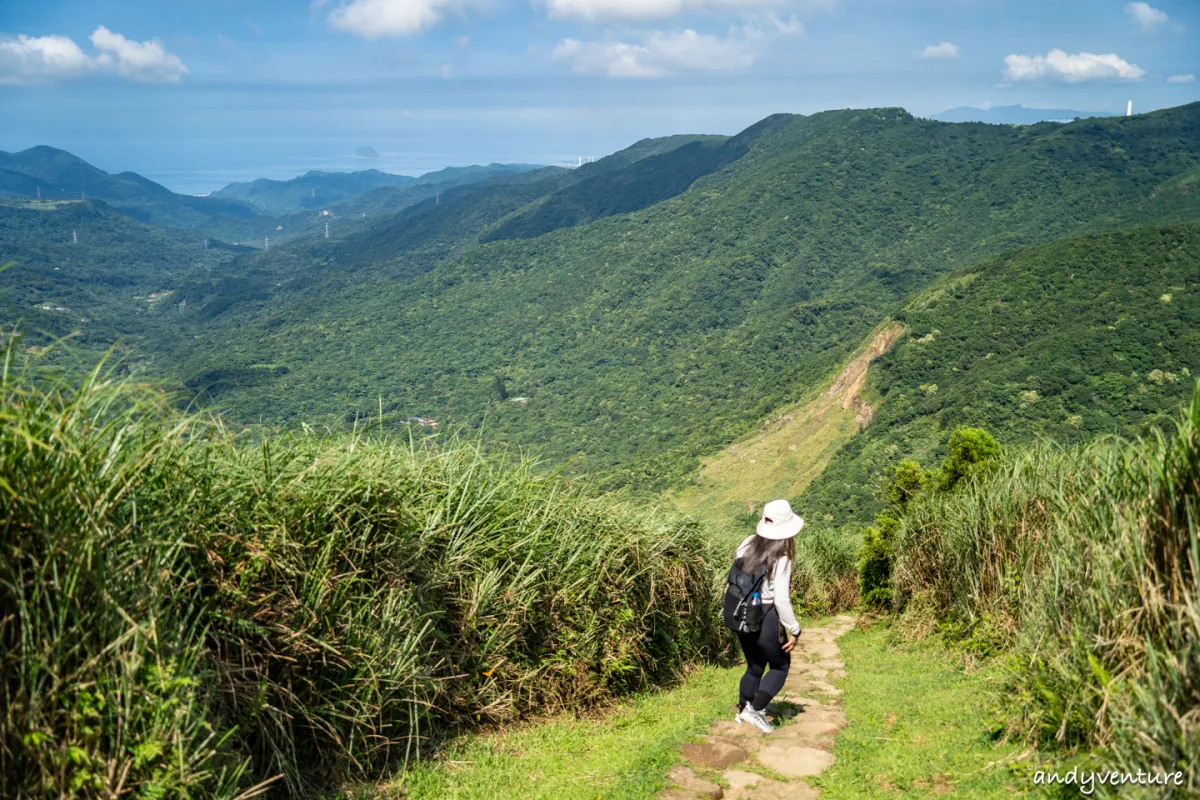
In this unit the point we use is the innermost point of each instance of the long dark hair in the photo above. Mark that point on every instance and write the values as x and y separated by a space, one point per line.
767 551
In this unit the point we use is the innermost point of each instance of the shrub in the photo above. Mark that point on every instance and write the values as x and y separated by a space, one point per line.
905 483
972 452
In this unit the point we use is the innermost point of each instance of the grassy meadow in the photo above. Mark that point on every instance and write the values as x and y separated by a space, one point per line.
190 614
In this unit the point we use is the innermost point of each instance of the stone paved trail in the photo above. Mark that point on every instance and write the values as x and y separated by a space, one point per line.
758 766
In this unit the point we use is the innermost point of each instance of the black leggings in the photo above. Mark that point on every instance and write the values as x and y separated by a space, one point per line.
762 649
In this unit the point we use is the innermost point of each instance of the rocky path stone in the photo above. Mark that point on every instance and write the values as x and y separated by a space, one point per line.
757 766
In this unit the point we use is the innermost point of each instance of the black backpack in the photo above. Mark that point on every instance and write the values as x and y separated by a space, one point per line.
743 608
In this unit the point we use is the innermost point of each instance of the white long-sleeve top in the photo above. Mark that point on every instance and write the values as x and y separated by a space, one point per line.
777 588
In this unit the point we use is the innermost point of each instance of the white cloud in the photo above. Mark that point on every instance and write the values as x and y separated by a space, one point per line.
1146 16
661 53
943 50
372 19
140 61
601 10
27 59
1181 78
1057 65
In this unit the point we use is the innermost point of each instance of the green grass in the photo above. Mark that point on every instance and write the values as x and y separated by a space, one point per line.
919 725
623 754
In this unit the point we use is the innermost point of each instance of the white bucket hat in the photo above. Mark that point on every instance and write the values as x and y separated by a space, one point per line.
779 521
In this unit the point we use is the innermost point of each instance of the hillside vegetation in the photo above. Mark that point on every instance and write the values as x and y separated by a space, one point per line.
188 615
1088 336
1081 565
641 341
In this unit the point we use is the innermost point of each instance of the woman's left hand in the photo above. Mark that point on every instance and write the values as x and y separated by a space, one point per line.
790 643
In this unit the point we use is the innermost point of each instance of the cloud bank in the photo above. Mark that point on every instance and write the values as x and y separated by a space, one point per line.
1060 66
372 19
42 59
660 53
611 10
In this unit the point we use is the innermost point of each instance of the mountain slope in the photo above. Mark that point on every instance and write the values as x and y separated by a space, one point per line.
791 447
643 340
1092 335
609 187
85 270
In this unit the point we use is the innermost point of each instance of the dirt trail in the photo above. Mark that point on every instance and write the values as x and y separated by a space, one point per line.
758 766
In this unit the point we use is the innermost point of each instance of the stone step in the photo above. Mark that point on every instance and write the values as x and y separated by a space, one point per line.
715 754
774 790
795 761
683 778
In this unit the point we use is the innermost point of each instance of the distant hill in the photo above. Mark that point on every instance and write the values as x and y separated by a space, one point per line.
318 190
1015 115
640 176
59 175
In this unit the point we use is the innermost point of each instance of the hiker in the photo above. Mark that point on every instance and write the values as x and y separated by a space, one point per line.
757 604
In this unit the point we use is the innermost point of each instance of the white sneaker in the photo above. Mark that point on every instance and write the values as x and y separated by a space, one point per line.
756 718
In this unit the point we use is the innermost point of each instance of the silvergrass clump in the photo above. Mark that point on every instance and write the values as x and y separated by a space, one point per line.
824 580
185 613
1082 563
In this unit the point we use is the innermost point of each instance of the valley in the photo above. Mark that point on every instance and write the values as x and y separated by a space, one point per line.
418 462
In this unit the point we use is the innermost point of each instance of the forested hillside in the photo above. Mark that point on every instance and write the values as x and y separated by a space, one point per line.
630 344
1093 335
84 270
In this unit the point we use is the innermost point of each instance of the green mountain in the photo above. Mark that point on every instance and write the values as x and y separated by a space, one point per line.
58 175
1086 336
637 341
318 190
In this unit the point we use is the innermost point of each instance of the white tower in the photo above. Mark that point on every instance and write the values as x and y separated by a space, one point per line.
326 230
1129 109
74 237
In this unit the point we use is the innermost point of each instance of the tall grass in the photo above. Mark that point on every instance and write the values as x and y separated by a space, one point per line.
186 614
1082 563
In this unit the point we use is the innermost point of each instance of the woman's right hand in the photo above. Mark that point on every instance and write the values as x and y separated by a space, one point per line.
790 643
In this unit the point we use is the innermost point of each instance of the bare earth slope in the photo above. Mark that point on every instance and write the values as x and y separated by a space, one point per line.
792 447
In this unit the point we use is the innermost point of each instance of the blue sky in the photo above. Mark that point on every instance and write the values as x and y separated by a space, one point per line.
196 93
